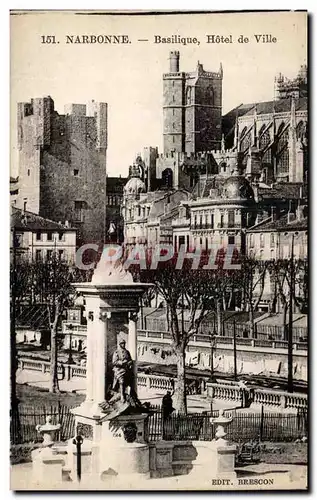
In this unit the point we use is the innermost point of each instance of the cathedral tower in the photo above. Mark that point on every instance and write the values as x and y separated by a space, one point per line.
192 108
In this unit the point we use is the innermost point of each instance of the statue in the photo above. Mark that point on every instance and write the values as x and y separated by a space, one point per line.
122 366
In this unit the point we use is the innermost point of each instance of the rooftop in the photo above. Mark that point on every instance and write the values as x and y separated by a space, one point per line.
28 221
281 224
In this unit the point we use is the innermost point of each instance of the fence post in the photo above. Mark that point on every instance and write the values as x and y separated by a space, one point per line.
78 441
262 423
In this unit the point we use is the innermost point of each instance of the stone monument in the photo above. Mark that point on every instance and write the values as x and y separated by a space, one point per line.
111 419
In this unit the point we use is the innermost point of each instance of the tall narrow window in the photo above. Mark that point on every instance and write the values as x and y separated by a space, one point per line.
261 240
230 218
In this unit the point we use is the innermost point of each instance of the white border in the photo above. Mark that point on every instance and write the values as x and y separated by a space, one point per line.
4 184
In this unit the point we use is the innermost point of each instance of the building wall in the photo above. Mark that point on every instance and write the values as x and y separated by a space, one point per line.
288 166
38 245
203 113
66 157
192 109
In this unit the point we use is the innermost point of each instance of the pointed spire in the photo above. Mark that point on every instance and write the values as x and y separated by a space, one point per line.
273 118
255 134
293 113
236 133
223 147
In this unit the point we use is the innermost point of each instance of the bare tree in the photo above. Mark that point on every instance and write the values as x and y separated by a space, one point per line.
280 271
189 290
53 279
253 274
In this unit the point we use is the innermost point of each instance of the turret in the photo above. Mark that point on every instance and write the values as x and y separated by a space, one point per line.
174 61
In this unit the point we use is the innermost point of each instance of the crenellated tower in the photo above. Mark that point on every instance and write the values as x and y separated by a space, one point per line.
192 108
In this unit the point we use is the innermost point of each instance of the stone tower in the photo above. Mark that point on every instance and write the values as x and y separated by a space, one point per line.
62 164
192 108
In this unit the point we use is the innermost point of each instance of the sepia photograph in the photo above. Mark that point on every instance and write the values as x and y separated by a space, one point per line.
158 251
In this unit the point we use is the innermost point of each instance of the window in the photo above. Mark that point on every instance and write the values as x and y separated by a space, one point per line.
60 254
272 240
79 207
49 235
264 141
38 255
221 220
261 240
230 218
28 172
49 254
76 172
231 240
181 241
38 235
251 240
286 252
212 220
60 236
24 206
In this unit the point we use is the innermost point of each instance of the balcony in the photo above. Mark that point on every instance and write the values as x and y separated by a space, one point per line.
202 226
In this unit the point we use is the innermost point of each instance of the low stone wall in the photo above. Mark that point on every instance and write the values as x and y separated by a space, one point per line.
254 357
255 398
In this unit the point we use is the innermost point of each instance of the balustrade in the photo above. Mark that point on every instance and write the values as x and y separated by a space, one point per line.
296 401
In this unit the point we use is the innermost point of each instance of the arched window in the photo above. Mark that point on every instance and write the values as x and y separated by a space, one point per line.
264 140
209 96
167 178
189 95
300 130
245 140
282 150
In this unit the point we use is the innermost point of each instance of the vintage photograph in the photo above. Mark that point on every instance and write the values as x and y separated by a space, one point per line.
159 250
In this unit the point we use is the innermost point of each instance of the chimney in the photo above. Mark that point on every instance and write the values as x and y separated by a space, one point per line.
290 217
273 214
300 212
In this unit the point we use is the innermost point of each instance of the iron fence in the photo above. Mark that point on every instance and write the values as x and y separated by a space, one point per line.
24 421
276 427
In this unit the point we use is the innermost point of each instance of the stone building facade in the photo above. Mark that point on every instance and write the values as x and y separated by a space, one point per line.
272 138
62 164
37 238
114 219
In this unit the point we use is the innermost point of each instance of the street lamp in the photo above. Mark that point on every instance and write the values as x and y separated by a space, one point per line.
70 360
212 348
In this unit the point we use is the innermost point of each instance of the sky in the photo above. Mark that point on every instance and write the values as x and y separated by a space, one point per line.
129 76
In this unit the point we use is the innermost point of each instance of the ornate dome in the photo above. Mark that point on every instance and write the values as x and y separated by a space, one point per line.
134 185
237 187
